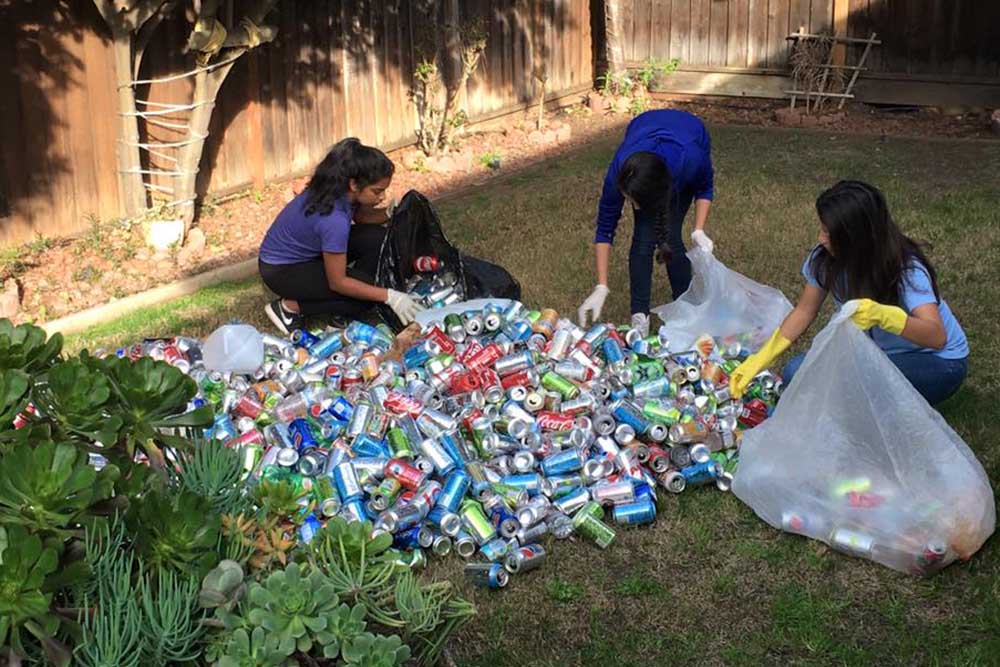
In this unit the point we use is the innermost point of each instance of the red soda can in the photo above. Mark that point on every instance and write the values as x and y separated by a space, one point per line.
21 420
404 472
553 421
401 404
753 413
251 437
471 350
425 264
468 419
464 383
485 357
525 378
442 340
248 405
865 500
172 354
350 378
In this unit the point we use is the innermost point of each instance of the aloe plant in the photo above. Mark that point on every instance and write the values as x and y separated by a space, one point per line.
25 348
255 649
26 588
175 530
50 488
370 650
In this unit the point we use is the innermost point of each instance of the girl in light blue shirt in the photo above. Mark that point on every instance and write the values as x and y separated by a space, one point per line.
863 255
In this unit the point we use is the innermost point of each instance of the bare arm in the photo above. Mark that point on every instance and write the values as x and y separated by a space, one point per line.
924 327
805 311
602 254
335 264
701 209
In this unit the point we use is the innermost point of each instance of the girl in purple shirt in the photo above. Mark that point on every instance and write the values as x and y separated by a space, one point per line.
315 259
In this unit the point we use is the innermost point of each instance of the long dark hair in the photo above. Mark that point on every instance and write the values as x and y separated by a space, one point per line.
870 255
645 179
348 159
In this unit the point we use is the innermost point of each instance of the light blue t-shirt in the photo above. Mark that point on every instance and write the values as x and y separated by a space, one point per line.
917 291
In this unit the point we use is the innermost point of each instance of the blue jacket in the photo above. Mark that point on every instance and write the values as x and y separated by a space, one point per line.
678 137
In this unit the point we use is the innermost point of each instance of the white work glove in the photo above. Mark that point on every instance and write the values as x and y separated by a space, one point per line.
701 240
401 304
593 305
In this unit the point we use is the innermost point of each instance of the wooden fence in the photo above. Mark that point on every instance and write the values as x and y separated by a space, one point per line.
932 52
338 68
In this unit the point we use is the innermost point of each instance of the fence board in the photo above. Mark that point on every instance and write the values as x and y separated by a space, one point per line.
718 34
659 47
737 47
680 30
700 24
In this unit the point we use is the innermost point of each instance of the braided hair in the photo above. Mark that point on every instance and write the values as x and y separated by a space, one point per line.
645 179
348 160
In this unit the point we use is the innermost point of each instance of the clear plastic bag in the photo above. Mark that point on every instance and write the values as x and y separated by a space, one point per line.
855 457
722 303
236 348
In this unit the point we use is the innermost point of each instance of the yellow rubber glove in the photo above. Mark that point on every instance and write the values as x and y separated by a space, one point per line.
873 314
755 363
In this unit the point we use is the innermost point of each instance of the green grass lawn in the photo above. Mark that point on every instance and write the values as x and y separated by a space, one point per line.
709 583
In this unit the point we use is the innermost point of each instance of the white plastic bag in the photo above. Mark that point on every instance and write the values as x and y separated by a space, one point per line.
723 304
236 348
855 457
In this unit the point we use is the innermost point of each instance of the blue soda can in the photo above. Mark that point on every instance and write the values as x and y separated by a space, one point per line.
416 356
595 335
346 480
223 428
324 347
449 522
564 484
302 435
354 510
613 352
495 550
407 539
453 447
529 481
341 409
361 332
639 512
309 528
438 455
303 338
563 462
505 523
645 490
456 485
487 575
702 473
656 388
518 330
369 445
625 412
572 501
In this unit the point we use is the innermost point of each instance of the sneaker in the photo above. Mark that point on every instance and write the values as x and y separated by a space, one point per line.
283 319
640 322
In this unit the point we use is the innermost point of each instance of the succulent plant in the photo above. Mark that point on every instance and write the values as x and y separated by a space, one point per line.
353 558
346 624
175 530
215 472
14 386
76 394
26 587
294 606
279 499
50 488
368 650
25 348
171 620
255 649
258 542
223 587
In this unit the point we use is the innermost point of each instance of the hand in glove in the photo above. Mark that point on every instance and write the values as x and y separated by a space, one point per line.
593 305
755 363
873 314
401 304
701 240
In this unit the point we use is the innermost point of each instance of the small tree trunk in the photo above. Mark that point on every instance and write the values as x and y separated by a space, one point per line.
131 188
614 36
206 88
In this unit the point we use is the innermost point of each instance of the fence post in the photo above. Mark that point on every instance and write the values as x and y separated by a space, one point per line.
841 15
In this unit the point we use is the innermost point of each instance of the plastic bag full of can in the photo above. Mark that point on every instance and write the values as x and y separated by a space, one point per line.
855 457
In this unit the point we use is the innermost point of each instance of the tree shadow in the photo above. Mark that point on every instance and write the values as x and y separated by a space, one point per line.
37 72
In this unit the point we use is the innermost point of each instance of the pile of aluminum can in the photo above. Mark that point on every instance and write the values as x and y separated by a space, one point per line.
494 429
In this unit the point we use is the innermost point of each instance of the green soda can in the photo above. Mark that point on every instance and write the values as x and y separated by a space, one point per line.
652 369
476 521
593 508
555 382
655 412
593 529
399 443
730 365
275 473
385 493
512 495
533 316
252 454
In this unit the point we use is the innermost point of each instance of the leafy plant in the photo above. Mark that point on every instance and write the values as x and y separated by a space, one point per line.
349 554
175 530
14 386
24 347
280 499
258 541
26 588
490 160
223 587
370 650
76 394
254 649
171 625
112 629
297 607
214 472
51 487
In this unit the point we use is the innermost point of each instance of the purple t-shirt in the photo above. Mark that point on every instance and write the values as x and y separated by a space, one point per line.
295 237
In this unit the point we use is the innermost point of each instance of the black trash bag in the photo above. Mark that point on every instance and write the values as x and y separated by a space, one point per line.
415 231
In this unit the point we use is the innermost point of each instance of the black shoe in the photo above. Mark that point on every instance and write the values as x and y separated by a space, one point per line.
282 318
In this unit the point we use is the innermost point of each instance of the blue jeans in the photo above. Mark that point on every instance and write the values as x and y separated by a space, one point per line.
640 256
934 377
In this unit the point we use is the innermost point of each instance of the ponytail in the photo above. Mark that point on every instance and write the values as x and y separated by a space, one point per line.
645 179
348 160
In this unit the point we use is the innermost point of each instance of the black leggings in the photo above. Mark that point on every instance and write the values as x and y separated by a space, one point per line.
306 282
